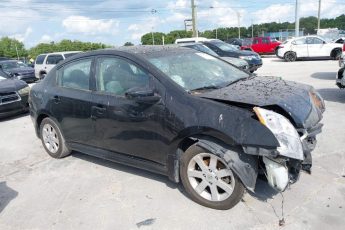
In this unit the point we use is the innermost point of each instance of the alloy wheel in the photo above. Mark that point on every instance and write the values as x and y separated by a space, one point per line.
210 177
50 138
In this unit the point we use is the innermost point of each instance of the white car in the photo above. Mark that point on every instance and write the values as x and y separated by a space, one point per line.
190 40
308 47
45 62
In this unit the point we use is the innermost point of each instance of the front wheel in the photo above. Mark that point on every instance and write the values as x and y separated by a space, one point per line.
290 56
208 180
52 139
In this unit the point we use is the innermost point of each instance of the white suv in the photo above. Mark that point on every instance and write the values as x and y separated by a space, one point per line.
308 47
45 62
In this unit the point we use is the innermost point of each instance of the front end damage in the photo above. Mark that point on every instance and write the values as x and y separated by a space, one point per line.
283 164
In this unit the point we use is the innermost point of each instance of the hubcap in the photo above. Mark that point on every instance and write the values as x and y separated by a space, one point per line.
50 138
210 177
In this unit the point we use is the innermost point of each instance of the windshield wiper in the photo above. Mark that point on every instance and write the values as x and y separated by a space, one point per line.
206 87
251 76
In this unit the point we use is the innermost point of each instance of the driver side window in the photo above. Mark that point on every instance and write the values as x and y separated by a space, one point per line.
116 76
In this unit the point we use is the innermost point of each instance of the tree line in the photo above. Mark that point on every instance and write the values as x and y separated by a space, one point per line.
12 48
308 24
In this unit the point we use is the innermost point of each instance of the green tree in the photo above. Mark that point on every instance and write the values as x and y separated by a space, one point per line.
65 45
10 47
128 44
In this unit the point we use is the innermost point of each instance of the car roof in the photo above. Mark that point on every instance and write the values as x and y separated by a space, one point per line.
140 51
63 52
9 60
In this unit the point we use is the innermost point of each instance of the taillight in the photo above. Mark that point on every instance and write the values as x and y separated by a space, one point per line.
344 46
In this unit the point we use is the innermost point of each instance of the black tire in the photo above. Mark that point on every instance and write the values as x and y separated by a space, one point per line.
62 150
225 204
336 54
290 56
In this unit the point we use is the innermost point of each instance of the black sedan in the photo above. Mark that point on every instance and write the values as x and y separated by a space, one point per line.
13 95
18 70
224 49
181 113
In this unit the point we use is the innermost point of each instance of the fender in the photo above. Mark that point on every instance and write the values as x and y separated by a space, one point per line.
244 166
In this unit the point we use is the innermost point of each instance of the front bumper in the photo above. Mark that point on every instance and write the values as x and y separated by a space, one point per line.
28 78
342 61
14 108
308 143
340 79
254 64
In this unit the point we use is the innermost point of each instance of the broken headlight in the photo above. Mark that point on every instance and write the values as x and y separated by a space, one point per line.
284 131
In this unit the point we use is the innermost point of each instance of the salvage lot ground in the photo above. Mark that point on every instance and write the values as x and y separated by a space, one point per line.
38 192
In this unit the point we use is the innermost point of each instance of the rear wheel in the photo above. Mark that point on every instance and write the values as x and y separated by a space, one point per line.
290 56
208 180
52 139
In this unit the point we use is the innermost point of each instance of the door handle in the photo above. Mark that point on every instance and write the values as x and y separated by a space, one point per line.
57 99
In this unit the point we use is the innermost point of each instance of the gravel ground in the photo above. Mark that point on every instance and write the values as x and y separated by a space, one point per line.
83 192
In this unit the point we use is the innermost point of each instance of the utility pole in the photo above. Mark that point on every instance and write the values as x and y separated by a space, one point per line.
318 16
195 31
297 19
252 29
239 23
153 37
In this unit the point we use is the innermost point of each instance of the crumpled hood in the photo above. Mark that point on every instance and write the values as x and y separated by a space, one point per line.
290 96
11 85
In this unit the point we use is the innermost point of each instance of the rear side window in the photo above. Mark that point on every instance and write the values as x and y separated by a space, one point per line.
265 41
54 59
300 41
40 59
76 75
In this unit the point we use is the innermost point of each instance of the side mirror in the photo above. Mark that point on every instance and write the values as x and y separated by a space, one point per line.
142 95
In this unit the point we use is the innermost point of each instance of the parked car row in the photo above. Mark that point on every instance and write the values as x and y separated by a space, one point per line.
182 113
224 49
308 47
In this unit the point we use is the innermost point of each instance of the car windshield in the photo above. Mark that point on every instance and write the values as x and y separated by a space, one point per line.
7 65
225 46
3 75
203 49
197 71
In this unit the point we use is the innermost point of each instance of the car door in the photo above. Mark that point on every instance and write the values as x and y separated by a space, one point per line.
317 47
300 47
125 123
256 46
52 60
71 101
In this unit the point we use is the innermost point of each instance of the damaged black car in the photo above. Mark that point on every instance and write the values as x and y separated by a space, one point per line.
180 113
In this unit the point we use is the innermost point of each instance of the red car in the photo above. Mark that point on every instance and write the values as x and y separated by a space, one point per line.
265 45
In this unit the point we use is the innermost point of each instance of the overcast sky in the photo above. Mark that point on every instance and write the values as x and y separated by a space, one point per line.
116 21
